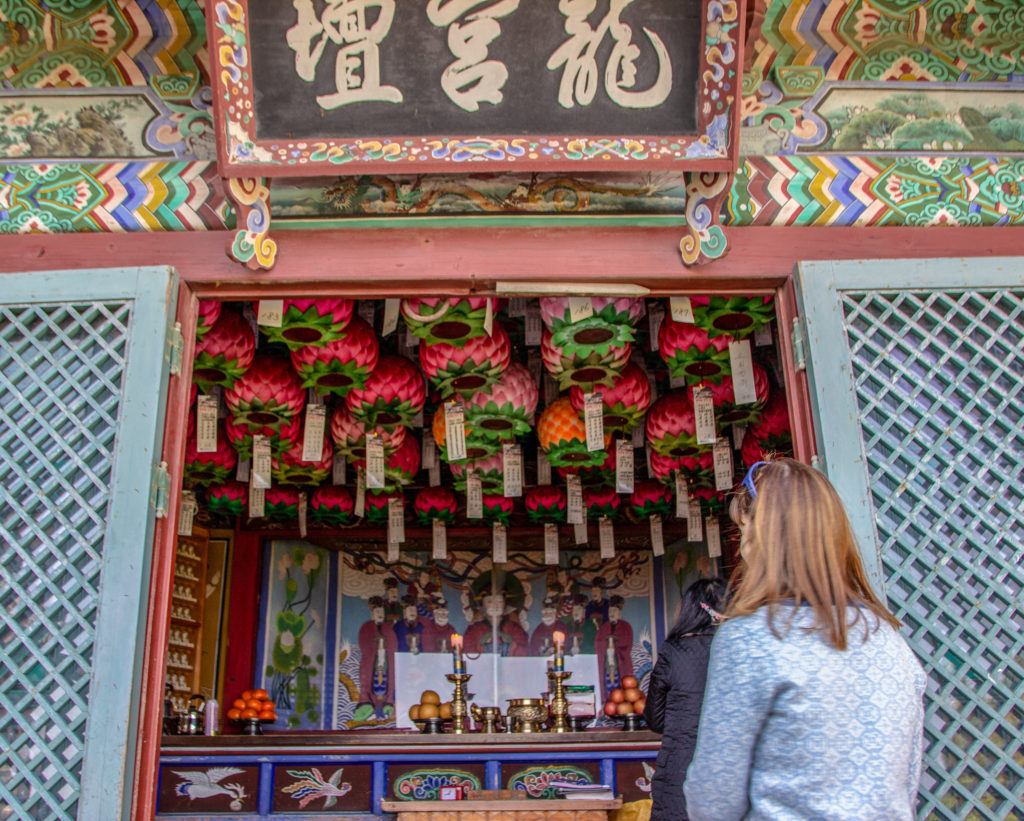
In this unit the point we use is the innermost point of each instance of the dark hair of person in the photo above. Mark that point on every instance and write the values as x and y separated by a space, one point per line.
693 618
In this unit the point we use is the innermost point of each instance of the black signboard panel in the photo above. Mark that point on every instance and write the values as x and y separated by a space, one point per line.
511 90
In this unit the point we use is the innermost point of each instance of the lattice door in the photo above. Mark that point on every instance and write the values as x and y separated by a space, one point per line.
938 386
74 394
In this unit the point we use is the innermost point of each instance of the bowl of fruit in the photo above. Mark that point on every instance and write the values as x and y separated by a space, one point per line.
252 711
626 704
430 713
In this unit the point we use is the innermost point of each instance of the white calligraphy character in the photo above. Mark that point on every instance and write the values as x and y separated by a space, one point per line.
580 75
347 24
472 79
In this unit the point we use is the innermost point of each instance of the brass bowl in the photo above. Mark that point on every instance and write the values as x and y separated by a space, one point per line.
526 715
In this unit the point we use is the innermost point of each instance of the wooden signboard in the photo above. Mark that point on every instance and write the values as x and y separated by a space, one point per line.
315 87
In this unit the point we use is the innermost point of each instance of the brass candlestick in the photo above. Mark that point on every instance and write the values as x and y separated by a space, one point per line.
459 708
559 704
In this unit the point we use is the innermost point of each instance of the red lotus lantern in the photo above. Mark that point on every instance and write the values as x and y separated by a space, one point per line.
651 497
349 435
209 468
332 505
601 502
241 437
227 499
477 446
584 372
507 411
281 503
209 312
692 354
340 365
435 503
672 426
290 469
546 503
450 320
609 326
735 316
497 507
225 352
491 471
770 435
474 366
267 395
625 401
393 395
727 412
310 322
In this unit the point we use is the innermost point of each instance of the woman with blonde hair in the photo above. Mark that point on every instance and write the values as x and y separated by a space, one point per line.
813 703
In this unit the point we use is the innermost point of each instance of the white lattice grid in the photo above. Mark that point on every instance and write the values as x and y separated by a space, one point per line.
61 368
940 383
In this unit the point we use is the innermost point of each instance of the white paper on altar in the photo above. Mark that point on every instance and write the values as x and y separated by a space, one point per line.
495 678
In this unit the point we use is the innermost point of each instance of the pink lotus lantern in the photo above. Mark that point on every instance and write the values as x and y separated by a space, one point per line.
625 401
432 503
241 437
340 365
609 327
227 499
393 395
727 412
546 503
498 508
601 502
332 506
596 476
508 410
225 352
651 497
692 354
209 468
376 507
664 468
349 435
209 312
450 320
711 500
281 503
289 469
310 322
491 470
735 316
770 435
474 366
267 395
672 426
584 372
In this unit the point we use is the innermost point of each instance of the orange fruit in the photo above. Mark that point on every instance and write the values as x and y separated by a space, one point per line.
269 705
632 694
260 694
628 682
246 695
430 697
247 713
624 708
414 712
253 704
267 715
446 710
234 714
429 711
238 704
617 695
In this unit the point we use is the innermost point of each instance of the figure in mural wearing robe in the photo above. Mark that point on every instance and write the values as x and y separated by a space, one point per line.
409 630
437 632
510 638
377 646
478 627
542 642
598 604
614 643
580 631
425 589
392 604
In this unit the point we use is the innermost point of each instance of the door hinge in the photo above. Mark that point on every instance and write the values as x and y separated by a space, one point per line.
160 490
799 340
175 347
819 464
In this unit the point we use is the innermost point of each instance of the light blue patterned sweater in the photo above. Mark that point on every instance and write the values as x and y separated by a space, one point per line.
793 730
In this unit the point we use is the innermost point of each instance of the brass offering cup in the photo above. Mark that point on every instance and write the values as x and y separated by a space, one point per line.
527 715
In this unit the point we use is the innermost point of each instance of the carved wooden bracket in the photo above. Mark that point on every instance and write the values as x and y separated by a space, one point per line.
705 192
252 245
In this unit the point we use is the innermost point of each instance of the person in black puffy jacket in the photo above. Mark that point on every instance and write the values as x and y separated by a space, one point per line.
676 692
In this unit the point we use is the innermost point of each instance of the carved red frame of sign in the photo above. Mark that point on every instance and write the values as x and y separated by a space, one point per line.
708 155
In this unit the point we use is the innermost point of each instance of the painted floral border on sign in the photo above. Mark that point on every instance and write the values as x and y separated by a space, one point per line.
713 147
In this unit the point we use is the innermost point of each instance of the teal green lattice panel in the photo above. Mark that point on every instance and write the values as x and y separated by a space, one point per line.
923 433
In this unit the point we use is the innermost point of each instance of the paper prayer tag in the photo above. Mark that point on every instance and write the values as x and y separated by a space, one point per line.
682 496
580 533
681 309
455 430
313 433
440 540
543 468
339 469
270 313
206 424
512 471
593 419
655 316
550 543
694 523
624 469
574 500
714 537
187 512
474 495
391 307
722 455
394 549
606 534
375 461
261 462
303 512
396 520
704 411
657 535
257 501
360 504
580 308
744 390
499 543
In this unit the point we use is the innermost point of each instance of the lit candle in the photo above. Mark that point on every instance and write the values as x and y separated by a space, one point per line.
559 637
459 664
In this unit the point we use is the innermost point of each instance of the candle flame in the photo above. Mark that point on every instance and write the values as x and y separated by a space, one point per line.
559 637
456 641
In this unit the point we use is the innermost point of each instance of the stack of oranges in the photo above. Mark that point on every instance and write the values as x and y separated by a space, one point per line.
253 704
